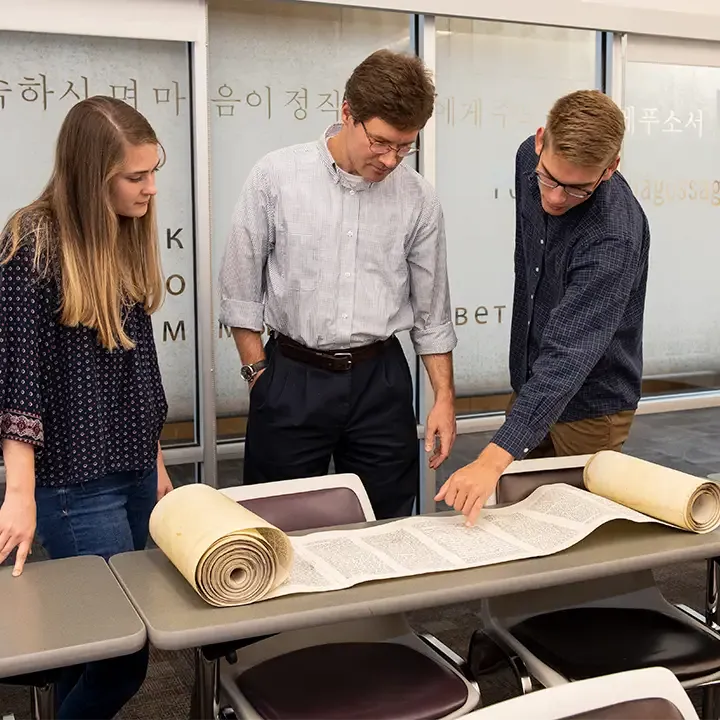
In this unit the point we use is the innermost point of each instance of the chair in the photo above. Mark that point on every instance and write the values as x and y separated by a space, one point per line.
42 697
371 668
524 476
648 694
595 628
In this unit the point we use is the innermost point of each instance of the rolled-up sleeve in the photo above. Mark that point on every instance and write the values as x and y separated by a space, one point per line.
433 332
576 337
21 314
242 275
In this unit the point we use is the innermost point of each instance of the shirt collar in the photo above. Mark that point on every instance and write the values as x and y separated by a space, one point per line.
351 182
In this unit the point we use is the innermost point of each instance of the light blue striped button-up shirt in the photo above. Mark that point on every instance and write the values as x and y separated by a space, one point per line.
333 261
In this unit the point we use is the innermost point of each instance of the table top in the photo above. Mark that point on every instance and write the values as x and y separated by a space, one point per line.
176 617
63 612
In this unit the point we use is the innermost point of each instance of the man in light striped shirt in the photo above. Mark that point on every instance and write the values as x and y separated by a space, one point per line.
337 246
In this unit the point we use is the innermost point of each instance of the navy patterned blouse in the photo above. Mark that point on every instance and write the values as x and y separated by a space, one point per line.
89 412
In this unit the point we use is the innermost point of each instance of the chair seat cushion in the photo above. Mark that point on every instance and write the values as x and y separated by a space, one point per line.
588 642
645 709
377 681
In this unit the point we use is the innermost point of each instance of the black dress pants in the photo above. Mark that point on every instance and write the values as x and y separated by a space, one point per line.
300 416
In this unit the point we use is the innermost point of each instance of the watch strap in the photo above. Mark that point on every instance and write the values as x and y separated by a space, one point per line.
250 371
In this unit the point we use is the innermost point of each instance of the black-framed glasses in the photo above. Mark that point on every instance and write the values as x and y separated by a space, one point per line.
380 147
575 192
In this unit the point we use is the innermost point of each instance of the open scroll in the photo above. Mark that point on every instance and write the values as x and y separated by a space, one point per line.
227 553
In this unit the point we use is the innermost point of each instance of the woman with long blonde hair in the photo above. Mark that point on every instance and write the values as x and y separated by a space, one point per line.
81 398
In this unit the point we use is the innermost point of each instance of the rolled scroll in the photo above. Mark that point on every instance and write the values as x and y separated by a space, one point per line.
668 495
229 555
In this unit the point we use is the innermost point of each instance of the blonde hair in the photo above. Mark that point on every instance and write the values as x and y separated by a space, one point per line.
104 262
586 128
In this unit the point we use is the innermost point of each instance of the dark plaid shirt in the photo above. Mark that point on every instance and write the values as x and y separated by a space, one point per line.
580 279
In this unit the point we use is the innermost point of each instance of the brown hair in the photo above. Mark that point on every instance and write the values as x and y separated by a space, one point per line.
103 261
394 87
586 128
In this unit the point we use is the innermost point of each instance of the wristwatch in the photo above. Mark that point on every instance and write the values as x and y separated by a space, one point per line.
249 372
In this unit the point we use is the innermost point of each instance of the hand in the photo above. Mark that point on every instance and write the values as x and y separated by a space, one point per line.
164 485
18 518
251 384
440 424
468 489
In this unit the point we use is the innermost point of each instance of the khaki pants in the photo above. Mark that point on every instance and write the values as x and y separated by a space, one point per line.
584 437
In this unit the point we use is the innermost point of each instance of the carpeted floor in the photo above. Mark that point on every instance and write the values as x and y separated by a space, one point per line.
687 441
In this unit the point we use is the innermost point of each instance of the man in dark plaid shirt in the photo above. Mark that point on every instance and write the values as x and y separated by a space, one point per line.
581 262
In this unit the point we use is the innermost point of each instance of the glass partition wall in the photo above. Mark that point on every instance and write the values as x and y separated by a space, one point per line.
267 73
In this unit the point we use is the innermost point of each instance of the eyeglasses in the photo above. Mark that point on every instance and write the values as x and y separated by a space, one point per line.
378 147
574 192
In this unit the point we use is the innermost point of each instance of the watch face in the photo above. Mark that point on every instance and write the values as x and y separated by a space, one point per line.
247 372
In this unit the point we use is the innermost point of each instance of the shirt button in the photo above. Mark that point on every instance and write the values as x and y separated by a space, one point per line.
532 297
526 450
349 233
347 274
537 269
542 242
344 316
352 192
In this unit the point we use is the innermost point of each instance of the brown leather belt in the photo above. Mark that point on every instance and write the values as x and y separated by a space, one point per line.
335 360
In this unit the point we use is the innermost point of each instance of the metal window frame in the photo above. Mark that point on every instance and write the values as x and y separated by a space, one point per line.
178 21
187 21
608 16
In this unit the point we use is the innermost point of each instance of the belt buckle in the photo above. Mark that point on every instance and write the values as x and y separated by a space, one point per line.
344 356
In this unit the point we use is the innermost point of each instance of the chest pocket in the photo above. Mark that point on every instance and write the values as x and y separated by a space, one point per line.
298 245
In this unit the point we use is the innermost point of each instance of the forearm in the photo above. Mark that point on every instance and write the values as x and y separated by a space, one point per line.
19 459
440 369
249 344
577 335
242 273
538 406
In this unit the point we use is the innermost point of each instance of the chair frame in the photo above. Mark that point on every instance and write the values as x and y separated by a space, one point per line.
42 694
528 668
396 629
594 694
352 482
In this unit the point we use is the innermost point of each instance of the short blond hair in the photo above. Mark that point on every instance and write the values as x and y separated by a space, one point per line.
586 128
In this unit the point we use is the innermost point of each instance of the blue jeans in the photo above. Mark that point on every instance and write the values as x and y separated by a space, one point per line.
102 517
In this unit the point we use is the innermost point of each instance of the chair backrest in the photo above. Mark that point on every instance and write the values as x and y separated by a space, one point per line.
307 503
647 709
647 694
524 476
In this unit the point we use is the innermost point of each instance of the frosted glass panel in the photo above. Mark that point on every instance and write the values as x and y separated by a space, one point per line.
496 83
41 77
671 159
277 74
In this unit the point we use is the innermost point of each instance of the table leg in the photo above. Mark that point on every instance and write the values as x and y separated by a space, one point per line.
712 592
43 702
204 704
711 694
711 702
